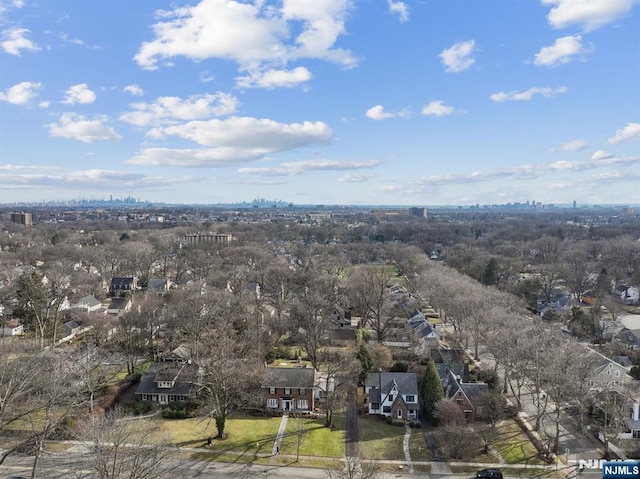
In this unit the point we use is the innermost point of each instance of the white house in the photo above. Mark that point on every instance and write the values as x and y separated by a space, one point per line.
12 328
631 295
88 303
632 421
392 395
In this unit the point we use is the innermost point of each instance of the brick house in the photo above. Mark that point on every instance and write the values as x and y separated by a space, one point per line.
289 389
463 394
392 395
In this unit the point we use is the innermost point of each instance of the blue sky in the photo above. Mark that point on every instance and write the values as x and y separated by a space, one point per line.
415 102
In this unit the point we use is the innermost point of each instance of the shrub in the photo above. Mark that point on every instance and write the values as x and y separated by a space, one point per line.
399 367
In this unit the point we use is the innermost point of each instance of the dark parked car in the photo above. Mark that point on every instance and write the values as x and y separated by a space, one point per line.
489 474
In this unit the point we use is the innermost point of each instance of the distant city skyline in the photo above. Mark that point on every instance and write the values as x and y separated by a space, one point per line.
342 102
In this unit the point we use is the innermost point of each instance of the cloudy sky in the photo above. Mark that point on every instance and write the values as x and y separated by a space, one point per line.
414 102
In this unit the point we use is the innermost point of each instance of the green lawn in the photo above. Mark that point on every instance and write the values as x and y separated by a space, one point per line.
379 440
317 440
514 446
418 446
243 433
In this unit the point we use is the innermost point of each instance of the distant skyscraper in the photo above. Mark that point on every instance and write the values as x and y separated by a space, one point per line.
419 212
575 205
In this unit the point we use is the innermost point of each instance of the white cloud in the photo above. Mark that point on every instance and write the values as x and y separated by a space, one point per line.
377 113
299 167
589 14
274 78
254 35
21 93
195 158
14 41
437 108
79 128
79 94
561 51
233 141
168 109
458 57
629 132
250 133
399 8
601 155
133 89
528 94
354 178
575 145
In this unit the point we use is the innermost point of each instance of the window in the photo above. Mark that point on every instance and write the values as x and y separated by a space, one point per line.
617 374
386 409
287 390
302 404
272 390
399 413
301 391
375 406
459 402
411 398
391 397
272 403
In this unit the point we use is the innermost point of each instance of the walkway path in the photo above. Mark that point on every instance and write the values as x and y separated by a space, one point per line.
352 437
277 444
405 448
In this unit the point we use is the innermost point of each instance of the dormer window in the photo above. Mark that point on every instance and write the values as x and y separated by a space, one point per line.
165 384
287 390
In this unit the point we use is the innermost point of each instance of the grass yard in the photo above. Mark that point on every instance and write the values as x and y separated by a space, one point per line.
379 440
317 440
244 434
514 446
418 446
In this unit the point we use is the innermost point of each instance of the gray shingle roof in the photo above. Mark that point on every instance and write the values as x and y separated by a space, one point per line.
407 382
289 377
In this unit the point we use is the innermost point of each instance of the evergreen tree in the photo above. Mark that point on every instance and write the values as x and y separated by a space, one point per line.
431 389
366 362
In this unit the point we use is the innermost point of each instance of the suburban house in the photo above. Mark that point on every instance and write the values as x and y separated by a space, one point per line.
164 383
89 304
610 373
289 389
340 318
628 294
463 394
450 360
632 420
11 327
181 354
119 305
629 338
121 285
392 395
158 286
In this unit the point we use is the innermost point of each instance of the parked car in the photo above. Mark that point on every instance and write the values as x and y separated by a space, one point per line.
489 474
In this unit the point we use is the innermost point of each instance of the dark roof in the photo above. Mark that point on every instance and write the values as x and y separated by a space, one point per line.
118 303
163 372
407 382
122 281
157 284
472 390
289 377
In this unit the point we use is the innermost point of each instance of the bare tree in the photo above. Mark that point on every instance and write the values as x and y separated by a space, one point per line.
119 450
353 468
369 292
230 372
